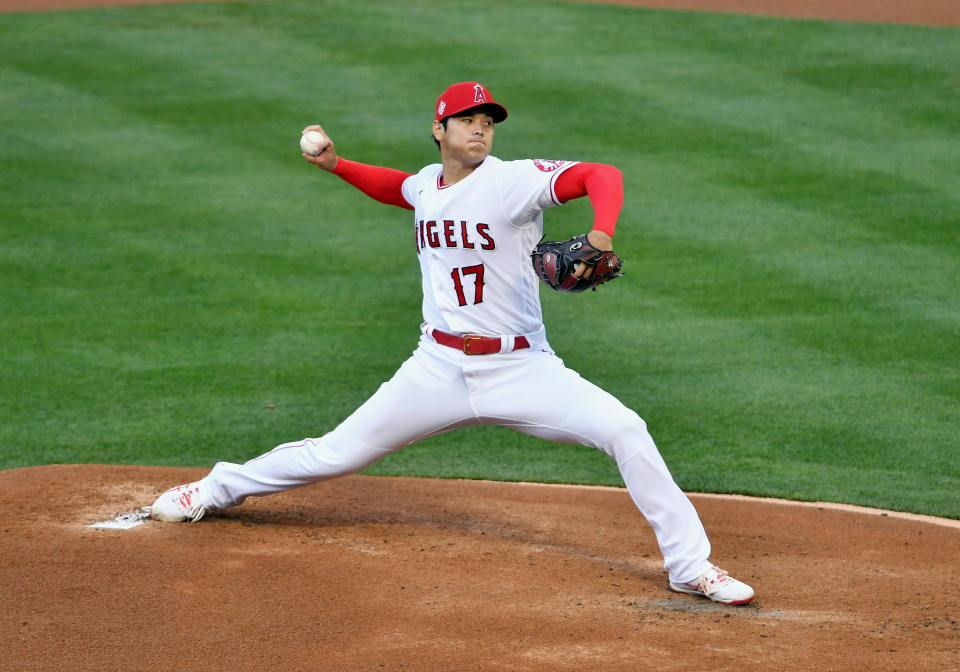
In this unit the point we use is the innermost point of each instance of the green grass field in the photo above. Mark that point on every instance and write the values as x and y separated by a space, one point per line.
178 287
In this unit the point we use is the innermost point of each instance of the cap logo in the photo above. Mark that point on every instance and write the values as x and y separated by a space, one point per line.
478 95
443 106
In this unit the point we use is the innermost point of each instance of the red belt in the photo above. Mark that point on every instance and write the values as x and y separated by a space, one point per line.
476 345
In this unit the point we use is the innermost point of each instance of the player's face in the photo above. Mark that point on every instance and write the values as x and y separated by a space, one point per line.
468 138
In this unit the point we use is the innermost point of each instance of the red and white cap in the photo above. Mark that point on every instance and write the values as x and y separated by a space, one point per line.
463 96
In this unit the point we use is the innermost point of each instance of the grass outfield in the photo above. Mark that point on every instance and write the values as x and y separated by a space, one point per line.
178 287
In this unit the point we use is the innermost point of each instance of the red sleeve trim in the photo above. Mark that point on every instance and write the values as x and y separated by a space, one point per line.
603 183
382 184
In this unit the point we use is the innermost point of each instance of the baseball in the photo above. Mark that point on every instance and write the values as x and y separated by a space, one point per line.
312 142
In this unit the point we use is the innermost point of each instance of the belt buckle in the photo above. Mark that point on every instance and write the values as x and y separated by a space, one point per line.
466 344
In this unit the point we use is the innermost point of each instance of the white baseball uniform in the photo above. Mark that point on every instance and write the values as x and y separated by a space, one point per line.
473 240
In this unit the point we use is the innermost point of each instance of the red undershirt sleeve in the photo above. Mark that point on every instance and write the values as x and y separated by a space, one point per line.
603 183
382 184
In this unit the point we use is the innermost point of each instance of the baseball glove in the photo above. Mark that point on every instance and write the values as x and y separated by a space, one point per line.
555 264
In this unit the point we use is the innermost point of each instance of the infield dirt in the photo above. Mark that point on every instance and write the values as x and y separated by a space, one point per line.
369 573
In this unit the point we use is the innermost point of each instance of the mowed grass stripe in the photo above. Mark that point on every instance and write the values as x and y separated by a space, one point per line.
179 288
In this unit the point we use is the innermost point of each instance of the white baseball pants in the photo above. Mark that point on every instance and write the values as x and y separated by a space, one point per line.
439 389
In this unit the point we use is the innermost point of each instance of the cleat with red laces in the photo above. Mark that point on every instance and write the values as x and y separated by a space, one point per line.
179 504
717 585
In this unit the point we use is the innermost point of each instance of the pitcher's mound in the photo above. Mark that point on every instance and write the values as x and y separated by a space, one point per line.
367 573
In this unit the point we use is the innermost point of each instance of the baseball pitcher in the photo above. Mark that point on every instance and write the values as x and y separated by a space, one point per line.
483 355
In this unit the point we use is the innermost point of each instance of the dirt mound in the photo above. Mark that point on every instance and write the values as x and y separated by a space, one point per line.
367 573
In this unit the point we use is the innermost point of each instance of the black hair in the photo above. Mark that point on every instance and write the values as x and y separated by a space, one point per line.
443 122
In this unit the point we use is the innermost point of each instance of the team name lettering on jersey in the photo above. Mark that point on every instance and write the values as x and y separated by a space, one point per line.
452 234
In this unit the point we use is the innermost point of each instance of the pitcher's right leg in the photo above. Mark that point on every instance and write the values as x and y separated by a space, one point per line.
426 396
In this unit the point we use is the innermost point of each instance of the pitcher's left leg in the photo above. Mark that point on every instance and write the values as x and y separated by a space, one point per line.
623 435
538 395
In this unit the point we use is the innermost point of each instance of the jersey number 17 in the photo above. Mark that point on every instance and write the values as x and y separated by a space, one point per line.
458 273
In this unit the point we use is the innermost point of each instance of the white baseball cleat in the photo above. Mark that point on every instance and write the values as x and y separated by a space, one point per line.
179 504
717 585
